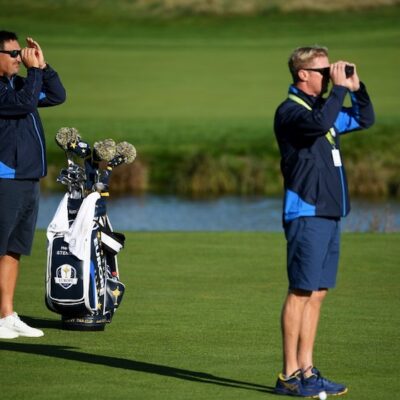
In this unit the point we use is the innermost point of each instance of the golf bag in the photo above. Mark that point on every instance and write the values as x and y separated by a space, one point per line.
82 278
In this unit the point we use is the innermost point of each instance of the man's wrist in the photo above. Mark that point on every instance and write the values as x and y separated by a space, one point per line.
339 88
34 68
355 89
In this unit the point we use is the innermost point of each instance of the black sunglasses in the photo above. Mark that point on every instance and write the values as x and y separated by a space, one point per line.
325 72
12 53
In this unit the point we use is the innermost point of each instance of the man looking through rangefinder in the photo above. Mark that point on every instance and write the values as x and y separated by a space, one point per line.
22 163
308 128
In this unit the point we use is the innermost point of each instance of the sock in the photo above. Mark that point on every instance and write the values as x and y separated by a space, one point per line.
308 369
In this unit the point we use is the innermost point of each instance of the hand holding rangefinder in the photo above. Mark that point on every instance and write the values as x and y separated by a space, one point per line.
349 71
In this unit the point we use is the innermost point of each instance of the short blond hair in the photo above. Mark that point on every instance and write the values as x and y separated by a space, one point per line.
303 56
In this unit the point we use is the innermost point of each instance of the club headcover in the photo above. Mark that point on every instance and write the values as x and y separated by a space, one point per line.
104 150
127 151
66 136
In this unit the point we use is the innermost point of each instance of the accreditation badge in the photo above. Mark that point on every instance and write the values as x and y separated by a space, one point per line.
337 161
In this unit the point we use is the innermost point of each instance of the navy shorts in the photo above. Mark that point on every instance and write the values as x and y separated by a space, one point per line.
19 204
312 252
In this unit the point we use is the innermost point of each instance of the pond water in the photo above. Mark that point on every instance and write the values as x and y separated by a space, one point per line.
171 213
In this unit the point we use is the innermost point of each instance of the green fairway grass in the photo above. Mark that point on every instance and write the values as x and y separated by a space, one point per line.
175 87
200 320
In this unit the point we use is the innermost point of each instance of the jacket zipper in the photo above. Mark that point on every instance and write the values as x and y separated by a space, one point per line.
344 206
40 141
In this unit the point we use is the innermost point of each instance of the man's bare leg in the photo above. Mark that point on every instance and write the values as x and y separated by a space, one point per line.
291 322
308 331
9 266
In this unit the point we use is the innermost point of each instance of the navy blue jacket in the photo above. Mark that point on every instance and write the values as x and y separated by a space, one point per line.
22 141
314 186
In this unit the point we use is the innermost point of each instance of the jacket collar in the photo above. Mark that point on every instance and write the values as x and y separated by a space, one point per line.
7 80
310 100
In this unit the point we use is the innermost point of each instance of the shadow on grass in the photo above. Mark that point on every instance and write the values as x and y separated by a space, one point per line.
40 323
70 353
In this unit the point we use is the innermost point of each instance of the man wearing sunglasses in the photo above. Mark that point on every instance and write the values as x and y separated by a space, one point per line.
308 127
22 163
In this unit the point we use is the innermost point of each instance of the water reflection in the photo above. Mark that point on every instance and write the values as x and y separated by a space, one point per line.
170 213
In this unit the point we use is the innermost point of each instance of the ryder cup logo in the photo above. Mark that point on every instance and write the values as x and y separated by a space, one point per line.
66 276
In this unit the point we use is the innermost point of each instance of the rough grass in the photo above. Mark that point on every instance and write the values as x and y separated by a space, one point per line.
182 88
200 320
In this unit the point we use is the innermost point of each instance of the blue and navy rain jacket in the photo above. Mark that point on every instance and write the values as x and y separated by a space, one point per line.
22 141
313 185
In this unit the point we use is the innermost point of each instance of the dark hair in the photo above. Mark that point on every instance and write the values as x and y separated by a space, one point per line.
6 36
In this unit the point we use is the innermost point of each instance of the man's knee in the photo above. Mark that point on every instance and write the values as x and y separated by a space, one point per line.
10 258
297 299
315 299
319 295
300 296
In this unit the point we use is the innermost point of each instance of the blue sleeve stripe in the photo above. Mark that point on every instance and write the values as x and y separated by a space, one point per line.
346 121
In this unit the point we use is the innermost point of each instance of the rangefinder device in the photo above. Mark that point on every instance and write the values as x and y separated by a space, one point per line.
349 70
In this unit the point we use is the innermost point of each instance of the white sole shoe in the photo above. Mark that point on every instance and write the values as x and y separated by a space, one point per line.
6 333
13 323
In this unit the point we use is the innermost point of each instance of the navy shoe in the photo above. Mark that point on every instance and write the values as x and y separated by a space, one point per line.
293 386
289 386
317 381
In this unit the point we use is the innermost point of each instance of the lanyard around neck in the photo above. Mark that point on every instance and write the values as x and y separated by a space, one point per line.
330 134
